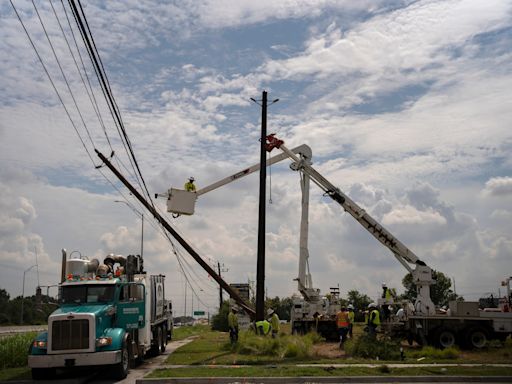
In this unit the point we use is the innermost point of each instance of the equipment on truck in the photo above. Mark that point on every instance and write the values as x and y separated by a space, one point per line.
110 314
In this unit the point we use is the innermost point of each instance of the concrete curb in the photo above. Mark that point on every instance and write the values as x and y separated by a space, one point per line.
332 380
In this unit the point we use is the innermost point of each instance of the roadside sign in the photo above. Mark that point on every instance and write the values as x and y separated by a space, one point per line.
198 313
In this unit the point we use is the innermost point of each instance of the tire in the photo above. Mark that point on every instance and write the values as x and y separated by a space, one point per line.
163 345
121 369
43 373
157 342
476 338
444 338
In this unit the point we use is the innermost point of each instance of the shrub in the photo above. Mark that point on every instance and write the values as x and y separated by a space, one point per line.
281 347
368 347
14 350
434 353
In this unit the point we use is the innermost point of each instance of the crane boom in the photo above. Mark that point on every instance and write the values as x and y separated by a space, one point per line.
422 274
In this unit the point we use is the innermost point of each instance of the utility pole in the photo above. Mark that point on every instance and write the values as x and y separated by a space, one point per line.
185 310
260 266
220 288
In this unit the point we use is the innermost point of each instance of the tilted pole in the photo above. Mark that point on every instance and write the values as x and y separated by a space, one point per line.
234 294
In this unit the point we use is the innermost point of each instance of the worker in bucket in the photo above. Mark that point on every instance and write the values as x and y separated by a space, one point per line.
351 318
189 185
233 325
274 322
343 323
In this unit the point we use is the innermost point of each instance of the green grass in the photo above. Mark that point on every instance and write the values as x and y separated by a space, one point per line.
14 350
294 371
214 348
185 331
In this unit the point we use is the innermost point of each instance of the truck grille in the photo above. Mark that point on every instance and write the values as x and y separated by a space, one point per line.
70 334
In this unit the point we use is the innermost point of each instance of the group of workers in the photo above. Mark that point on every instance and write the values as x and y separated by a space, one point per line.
345 321
262 327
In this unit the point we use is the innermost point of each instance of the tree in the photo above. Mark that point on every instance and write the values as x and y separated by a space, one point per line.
360 301
282 306
440 292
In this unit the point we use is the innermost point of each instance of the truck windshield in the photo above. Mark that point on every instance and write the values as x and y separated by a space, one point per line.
87 294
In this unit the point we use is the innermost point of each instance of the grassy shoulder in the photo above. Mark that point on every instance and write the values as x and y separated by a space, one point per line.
22 373
182 332
294 371
213 348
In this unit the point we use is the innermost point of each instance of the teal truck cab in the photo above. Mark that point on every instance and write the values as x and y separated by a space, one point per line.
110 314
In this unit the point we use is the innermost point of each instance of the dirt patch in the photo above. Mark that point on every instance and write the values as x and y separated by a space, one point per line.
328 350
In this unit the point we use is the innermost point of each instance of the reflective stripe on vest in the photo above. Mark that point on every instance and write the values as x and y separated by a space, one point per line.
342 319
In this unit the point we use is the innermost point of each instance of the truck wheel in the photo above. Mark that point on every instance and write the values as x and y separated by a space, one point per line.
163 344
120 370
476 338
43 373
444 338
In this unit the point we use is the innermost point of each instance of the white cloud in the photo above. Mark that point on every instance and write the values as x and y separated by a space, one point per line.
499 186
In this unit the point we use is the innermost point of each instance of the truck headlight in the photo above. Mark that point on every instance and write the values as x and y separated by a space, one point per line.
39 344
103 341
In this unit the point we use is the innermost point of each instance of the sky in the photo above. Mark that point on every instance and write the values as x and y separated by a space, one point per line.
406 106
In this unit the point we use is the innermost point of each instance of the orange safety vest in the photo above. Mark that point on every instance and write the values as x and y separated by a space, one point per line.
342 320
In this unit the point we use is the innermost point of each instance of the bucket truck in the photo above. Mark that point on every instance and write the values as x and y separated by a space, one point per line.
463 324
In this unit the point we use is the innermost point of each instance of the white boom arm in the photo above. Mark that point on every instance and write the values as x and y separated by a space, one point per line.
183 202
422 274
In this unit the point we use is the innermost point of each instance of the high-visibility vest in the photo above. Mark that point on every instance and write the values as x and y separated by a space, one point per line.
351 316
374 317
342 319
189 186
274 321
232 320
264 324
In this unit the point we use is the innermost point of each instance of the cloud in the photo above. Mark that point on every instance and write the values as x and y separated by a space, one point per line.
498 186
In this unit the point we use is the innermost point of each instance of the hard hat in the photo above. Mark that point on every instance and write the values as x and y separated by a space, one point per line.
384 285
350 306
372 305
191 178
270 311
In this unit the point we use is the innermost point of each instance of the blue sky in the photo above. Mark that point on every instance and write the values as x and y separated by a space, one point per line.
405 104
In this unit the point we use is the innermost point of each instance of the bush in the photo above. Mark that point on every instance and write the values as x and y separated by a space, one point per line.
284 346
14 350
220 320
371 348
434 353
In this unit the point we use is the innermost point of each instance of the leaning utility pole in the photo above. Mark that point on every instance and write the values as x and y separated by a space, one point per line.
234 294
220 288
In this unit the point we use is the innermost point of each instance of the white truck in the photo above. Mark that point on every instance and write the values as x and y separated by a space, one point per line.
464 324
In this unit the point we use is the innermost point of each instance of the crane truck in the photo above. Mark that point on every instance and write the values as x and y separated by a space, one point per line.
464 325
111 314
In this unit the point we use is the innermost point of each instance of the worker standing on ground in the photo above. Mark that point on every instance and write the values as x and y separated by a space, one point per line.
233 325
373 320
274 322
351 318
189 185
343 323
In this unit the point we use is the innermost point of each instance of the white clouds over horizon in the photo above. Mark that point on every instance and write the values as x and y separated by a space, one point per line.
403 103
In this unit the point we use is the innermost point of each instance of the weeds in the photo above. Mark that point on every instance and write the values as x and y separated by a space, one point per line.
434 353
284 346
368 347
14 350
